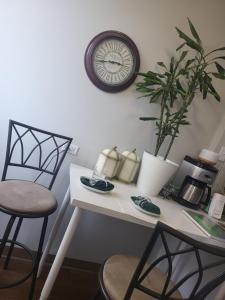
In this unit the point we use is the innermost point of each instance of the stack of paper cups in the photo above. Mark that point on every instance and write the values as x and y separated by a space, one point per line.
216 206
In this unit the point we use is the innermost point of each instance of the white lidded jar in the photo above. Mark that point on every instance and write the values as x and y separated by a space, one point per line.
108 163
216 206
129 167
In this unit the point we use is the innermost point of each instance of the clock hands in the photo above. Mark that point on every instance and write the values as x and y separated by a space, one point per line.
110 61
115 62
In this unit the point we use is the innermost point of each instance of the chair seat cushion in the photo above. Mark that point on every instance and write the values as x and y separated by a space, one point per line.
25 197
118 271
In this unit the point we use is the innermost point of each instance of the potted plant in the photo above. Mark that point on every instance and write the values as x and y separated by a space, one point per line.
174 88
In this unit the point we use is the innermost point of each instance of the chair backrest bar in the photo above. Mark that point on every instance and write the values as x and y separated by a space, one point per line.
33 148
200 289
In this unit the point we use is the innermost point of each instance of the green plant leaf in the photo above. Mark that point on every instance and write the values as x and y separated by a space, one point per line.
179 86
218 49
152 80
220 69
144 96
143 89
219 57
150 73
148 119
213 92
194 32
181 46
172 64
161 64
188 63
189 41
219 76
142 74
205 88
155 96
183 55
183 122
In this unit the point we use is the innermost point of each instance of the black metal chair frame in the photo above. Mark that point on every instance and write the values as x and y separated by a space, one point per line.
194 246
58 153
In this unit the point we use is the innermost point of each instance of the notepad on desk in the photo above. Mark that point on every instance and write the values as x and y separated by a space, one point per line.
212 228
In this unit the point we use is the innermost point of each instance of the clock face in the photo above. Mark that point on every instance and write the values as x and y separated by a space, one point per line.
111 61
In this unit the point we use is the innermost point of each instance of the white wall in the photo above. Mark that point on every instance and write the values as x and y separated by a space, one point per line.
43 83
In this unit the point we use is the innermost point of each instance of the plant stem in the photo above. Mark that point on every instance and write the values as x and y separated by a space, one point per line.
174 136
159 138
188 100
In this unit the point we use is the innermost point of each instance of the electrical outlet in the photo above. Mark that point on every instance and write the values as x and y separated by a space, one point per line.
73 149
222 154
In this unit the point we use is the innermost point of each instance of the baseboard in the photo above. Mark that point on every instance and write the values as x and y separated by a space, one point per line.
68 262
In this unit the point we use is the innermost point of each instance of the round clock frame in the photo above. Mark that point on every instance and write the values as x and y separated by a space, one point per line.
89 61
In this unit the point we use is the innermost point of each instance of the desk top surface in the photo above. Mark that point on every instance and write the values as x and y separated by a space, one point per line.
117 204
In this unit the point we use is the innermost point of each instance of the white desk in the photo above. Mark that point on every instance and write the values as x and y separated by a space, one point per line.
115 204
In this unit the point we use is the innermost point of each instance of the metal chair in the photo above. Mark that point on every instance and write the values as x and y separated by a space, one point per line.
125 277
39 154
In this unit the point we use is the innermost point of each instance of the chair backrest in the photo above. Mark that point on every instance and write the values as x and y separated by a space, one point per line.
37 151
201 283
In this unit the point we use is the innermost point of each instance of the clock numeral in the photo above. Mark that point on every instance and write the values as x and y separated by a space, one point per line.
108 77
100 51
110 45
99 56
115 46
122 74
128 64
102 73
120 47
99 68
126 68
127 57
115 78
124 51
98 63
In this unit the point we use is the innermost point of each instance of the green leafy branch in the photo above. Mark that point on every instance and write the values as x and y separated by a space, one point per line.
178 84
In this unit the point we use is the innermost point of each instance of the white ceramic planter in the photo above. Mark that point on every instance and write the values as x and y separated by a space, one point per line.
154 174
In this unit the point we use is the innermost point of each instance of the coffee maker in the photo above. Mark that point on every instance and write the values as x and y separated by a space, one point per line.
192 182
194 193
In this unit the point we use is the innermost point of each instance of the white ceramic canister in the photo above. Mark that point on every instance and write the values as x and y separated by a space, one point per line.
107 163
129 166
216 206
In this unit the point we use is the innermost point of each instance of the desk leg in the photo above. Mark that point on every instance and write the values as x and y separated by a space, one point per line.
61 254
54 230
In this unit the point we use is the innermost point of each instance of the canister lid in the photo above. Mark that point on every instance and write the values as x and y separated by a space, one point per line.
131 155
111 153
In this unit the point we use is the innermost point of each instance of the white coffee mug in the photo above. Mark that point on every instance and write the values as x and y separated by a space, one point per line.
216 206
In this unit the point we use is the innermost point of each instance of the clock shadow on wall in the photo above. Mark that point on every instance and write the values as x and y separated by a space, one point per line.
112 61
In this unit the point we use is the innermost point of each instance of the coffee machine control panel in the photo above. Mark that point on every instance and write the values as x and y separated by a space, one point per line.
206 177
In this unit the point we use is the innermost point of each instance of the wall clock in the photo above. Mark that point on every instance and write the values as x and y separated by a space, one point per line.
112 61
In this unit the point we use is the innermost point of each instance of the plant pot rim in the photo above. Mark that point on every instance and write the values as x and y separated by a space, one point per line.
162 159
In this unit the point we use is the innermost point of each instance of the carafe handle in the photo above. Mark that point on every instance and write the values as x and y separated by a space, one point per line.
206 202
